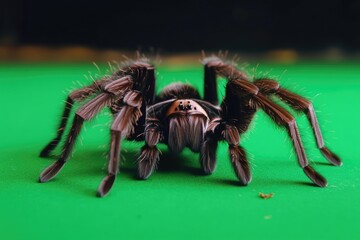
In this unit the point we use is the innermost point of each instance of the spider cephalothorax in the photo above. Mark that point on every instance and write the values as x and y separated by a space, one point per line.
179 118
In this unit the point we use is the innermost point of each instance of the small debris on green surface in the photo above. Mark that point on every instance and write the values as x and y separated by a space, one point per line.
266 195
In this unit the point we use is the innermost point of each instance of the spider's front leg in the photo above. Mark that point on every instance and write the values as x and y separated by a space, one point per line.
122 127
150 154
131 115
234 120
237 154
154 133
209 147
225 130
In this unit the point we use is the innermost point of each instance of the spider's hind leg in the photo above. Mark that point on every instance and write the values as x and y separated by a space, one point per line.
86 112
241 92
75 96
285 119
299 103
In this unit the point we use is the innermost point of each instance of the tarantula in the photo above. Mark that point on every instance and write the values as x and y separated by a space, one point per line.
179 118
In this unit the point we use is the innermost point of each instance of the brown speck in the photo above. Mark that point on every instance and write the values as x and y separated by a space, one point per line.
266 195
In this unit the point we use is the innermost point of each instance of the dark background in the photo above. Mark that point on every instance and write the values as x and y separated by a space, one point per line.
248 25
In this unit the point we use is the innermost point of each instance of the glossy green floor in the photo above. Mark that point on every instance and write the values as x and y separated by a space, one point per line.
177 202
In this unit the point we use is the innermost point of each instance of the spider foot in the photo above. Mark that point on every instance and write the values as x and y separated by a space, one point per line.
208 169
50 172
208 163
240 165
331 157
208 157
47 150
147 162
145 170
106 185
315 176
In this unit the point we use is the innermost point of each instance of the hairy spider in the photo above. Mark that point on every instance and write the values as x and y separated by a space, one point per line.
179 118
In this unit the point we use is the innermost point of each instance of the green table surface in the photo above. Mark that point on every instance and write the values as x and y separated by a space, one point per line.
177 202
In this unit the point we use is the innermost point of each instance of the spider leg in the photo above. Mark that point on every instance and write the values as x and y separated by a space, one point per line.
268 86
214 66
210 85
129 121
75 96
237 115
150 154
283 118
122 126
148 91
234 118
84 113
113 165
208 154
237 154
123 92
209 147
246 94
229 132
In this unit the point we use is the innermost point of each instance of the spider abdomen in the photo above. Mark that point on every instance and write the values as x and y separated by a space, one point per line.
187 122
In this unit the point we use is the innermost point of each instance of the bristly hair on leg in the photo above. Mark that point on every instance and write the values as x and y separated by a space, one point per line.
126 120
208 155
240 164
147 161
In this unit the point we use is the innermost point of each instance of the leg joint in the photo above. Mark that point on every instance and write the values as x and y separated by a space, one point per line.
152 137
231 135
267 86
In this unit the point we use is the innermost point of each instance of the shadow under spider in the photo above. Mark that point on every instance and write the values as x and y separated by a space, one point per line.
169 162
173 162
228 182
96 162
323 163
